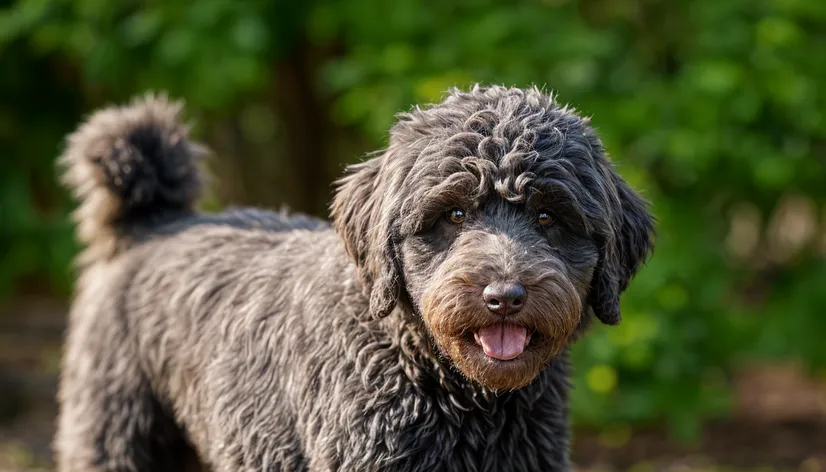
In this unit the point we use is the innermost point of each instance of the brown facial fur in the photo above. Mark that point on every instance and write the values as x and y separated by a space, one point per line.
453 307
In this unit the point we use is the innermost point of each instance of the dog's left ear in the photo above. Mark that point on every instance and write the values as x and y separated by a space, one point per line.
623 252
362 213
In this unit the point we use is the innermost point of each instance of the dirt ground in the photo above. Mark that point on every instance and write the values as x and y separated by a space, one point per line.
779 424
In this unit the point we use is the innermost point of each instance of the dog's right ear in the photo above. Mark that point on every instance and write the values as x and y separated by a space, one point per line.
363 218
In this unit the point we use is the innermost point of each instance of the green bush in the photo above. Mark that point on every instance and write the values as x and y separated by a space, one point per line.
712 108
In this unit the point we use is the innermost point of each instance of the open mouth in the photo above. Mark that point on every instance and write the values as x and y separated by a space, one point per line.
503 341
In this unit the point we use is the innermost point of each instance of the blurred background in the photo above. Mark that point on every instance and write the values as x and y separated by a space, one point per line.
714 109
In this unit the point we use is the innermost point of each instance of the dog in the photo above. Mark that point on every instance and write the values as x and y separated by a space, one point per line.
426 329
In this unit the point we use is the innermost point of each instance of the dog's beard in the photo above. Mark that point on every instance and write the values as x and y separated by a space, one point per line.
454 312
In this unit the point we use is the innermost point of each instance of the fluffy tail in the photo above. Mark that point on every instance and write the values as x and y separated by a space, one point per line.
130 167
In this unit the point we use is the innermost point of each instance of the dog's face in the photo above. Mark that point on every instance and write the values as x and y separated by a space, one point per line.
501 286
497 218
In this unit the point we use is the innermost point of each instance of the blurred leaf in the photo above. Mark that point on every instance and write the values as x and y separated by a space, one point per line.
602 378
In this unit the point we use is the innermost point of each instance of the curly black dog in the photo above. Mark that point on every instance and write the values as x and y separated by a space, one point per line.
426 330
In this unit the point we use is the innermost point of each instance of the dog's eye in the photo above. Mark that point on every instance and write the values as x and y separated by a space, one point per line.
456 215
544 217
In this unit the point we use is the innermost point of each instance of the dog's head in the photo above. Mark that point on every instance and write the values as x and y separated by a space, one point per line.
496 217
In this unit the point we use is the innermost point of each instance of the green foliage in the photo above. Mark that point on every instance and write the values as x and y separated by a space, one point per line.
712 108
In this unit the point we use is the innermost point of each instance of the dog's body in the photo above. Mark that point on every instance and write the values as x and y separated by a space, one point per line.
266 341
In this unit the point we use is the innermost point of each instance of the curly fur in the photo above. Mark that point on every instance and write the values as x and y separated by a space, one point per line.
267 341
130 166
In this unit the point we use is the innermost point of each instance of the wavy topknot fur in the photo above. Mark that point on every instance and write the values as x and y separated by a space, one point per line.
262 341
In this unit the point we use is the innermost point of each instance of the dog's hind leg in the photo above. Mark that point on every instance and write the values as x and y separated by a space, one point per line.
109 418
131 168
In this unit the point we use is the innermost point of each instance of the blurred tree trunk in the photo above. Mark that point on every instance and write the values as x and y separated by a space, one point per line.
293 167
308 131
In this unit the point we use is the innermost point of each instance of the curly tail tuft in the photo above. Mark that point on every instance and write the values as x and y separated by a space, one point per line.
130 167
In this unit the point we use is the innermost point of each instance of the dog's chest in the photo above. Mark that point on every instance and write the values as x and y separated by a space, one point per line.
514 435
437 433
405 416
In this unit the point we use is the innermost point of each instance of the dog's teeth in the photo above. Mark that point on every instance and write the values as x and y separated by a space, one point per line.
528 339
476 338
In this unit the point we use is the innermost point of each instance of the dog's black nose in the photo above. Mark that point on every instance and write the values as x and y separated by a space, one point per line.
505 298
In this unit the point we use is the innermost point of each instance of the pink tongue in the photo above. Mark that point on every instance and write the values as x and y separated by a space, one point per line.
502 341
